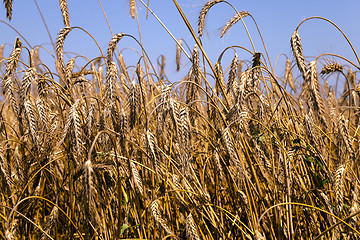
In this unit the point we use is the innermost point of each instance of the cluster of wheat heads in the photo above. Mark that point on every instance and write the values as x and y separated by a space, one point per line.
112 150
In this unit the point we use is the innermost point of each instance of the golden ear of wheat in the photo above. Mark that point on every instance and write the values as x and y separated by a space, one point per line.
123 67
232 21
137 178
29 112
112 44
154 208
232 74
339 188
220 76
153 150
111 75
259 236
133 100
43 113
232 152
132 8
316 99
50 221
28 78
8 7
8 78
60 49
190 227
205 9
330 68
296 47
178 54
65 12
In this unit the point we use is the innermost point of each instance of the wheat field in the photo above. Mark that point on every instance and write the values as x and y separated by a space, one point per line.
113 150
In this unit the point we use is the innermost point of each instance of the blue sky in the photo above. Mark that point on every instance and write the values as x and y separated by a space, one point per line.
276 19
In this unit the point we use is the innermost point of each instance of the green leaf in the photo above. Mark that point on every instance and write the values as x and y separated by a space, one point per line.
309 159
325 181
319 163
123 228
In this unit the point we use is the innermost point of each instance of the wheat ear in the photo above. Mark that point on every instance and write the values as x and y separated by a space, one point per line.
153 151
134 100
60 48
190 227
339 188
154 208
314 86
68 71
8 6
132 8
137 178
220 75
296 47
232 74
178 54
110 81
330 68
203 12
10 69
25 86
29 112
232 152
232 21
112 44
65 12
